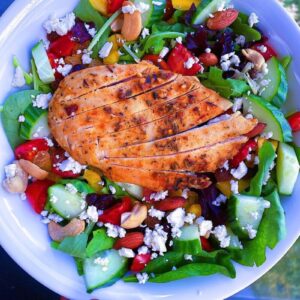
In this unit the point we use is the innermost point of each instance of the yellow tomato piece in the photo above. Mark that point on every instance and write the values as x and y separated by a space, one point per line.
195 209
100 5
93 179
114 39
184 4
261 141
243 184
225 186
112 58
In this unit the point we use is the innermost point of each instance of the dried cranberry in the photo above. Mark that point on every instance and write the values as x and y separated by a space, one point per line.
101 201
71 109
223 175
51 37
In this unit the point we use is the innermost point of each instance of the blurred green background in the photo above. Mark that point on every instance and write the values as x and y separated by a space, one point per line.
293 6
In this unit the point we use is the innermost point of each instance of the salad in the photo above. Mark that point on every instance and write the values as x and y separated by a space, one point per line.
118 224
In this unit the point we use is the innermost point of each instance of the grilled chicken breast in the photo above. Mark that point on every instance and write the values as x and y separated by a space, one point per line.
140 125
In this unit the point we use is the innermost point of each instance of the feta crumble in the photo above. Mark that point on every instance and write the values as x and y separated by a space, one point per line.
205 226
189 218
105 50
126 252
164 52
228 60
10 170
92 213
262 48
60 25
159 195
185 193
86 57
189 63
156 213
156 239
253 19
176 217
103 262
220 232
241 40
237 104
142 7
188 257
71 165
226 165
219 200
91 30
143 250
128 9
240 172
114 231
142 277
234 186
207 50
49 142
157 3
21 119
251 232
64 70
179 40
145 32
112 189
18 79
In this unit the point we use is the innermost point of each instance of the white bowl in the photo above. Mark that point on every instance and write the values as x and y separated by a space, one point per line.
25 238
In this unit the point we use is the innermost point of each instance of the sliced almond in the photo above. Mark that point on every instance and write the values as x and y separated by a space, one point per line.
33 170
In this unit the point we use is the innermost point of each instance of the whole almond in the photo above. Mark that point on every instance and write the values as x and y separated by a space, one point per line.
208 59
170 203
132 240
222 19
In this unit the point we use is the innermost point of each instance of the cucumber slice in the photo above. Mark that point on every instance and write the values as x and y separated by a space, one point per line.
287 169
134 190
276 91
189 241
97 275
206 8
271 115
35 124
42 63
65 203
155 12
245 212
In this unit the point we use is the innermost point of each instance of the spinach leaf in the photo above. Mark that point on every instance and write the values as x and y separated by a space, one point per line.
225 87
120 192
38 85
86 12
80 185
271 230
79 265
286 61
177 27
99 242
241 27
14 106
266 155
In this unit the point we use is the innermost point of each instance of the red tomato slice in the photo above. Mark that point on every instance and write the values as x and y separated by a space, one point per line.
157 60
114 5
269 53
139 262
294 121
37 193
29 149
179 57
242 155
258 129
63 46
113 215
206 246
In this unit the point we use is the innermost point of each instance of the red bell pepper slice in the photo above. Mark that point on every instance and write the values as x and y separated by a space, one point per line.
269 53
29 149
139 262
206 246
242 155
258 129
177 59
37 193
294 121
114 5
57 156
157 60
113 215
63 46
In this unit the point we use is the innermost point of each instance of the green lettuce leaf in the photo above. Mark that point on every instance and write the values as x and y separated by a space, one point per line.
271 230
177 27
120 192
225 87
99 242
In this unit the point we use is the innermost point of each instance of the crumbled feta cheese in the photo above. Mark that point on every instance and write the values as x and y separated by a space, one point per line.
60 25
143 250
226 165
164 52
10 170
159 195
21 119
86 57
92 213
71 188
220 232
103 262
156 239
157 3
205 226
207 50
71 165
249 116
267 135
254 215
262 48
251 232
126 252
189 218
105 50
219 200
46 44
189 63
142 277
156 213
185 193
18 79
240 172
145 32
55 218
91 30
188 257
241 40
179 40
174 268
114 231
237 104
267 204
234 186
142 7
176 217
219 119
253 19
64 70
256 160
228 60
154 255
128 9
112 189
49 142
